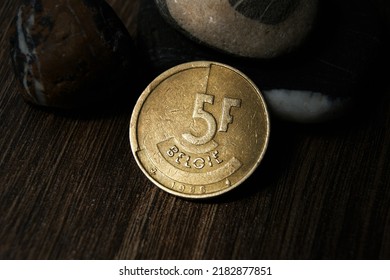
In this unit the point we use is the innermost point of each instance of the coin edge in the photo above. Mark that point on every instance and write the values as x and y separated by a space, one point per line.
149 89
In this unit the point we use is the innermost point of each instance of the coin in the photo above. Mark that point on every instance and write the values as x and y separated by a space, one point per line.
199 129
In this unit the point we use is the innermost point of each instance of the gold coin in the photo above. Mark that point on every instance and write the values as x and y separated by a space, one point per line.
199 129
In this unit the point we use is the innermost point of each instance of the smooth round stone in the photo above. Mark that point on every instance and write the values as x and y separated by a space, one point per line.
317 83
249 28
70 53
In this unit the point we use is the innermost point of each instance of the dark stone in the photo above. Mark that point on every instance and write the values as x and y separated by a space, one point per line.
268 12
71 53
339 57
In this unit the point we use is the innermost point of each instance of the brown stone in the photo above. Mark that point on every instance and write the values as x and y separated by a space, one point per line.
69 53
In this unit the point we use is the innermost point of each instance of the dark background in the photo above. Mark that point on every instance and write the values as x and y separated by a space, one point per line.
70 188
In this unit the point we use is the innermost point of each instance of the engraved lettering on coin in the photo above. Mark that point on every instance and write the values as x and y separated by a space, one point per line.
179 157
228 183
203 127
227 118
153 171
265 11
200 113
181 188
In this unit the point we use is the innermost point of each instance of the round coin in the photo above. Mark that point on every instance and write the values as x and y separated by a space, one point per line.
199 129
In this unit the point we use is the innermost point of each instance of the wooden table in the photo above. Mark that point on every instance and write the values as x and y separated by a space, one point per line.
70 188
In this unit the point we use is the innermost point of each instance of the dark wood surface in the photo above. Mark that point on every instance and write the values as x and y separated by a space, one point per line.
70 188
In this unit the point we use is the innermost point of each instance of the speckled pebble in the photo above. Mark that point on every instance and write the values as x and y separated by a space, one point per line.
251 28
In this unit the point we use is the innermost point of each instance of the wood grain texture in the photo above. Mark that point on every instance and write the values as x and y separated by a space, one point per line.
70 188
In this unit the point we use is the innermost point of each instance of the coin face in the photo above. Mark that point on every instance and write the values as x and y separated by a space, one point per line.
199 129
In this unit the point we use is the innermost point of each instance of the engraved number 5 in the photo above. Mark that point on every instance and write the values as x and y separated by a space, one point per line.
200 113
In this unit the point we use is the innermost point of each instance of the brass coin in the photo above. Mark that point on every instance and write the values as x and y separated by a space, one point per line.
199 129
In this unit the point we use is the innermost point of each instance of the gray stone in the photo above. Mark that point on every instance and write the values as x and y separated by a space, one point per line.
249 28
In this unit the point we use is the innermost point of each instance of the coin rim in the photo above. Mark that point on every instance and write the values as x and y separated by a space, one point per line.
153 85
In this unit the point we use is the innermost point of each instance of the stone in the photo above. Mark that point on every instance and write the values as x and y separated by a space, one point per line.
317 83
70 53
249 28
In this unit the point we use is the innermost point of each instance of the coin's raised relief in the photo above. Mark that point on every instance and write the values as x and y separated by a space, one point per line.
199 129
